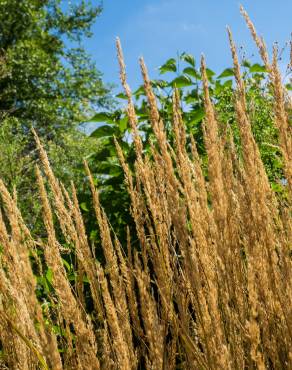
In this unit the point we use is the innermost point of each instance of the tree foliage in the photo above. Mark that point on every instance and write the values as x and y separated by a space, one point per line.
51 82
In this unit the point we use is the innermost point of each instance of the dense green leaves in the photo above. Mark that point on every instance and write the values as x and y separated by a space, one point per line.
187 78
47 83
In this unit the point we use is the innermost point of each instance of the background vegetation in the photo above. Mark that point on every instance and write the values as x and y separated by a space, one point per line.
47 82
160 267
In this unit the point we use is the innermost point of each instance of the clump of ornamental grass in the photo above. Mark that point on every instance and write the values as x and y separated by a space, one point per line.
208 287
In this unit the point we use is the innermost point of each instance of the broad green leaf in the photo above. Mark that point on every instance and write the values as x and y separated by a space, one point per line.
228 83
257 68
218 87
197 115
140 91
122 96
83 206
123 124
188 58
190 98
115 170
288 87
49 275
181 81
192 72
142 112
210 73
228 72
103 131
246 64
101 117
169 66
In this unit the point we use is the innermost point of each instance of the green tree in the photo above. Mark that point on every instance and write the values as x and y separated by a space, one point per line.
51 82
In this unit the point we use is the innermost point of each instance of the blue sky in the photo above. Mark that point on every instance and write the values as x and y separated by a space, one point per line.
158 29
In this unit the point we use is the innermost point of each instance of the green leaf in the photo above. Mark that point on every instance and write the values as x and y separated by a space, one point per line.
218 87
101 117
228 72
103 131
188 58
169 66
58 331
246 64
83 206
210 73
277 188
66 264
72 276
192 72
49 275
123 124
85 279
257 68
288 87
181 81
159 83
140 91
228 83
142 112
197 116
93 235
190 98
122 96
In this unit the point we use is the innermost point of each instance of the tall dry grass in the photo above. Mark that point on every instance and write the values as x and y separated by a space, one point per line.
210 286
